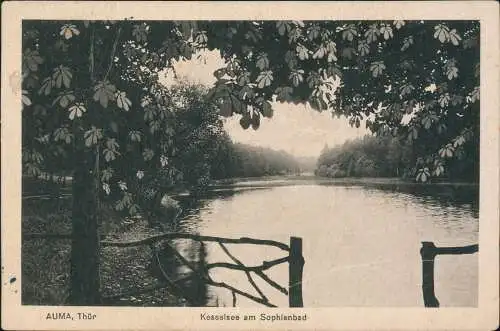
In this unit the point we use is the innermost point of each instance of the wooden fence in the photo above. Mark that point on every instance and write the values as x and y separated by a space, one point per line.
294 258
428 253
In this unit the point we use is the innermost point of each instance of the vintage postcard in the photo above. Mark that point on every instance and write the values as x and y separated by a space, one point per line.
250 165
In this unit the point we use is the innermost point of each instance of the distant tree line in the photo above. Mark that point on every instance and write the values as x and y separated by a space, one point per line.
369 156
241 160
388 156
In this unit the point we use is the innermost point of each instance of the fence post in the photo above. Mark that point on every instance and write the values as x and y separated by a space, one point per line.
428 253
296 266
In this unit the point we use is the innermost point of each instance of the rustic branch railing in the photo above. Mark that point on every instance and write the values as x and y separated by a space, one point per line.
295 259
428 253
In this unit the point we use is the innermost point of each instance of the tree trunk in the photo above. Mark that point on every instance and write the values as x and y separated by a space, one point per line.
85 243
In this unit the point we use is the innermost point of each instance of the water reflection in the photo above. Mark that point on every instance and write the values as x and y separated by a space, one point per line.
457 195
183 282
361 242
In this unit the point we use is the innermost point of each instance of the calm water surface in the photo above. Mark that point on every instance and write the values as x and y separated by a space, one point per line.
360 242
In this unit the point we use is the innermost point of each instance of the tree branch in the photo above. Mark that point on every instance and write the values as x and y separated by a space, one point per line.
264 266
457 250
165 236
271 282
245 294
249 276
91 55
113 51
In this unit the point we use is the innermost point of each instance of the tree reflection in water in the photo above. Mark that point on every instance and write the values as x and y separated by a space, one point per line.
193 290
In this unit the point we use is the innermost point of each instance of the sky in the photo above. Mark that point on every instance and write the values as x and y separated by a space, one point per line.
296 129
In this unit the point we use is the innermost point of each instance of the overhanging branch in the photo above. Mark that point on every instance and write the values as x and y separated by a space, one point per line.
113 51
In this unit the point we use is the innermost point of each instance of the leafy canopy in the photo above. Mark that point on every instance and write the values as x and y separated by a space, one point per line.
92 86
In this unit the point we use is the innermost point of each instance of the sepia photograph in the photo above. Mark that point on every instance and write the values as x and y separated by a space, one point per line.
250 163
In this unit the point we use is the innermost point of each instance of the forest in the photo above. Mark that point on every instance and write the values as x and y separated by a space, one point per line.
369 156
240 160
388 156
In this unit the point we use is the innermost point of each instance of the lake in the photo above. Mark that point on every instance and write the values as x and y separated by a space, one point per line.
361 241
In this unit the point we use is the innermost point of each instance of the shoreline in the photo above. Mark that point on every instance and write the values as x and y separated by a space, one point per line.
311 179
269 181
